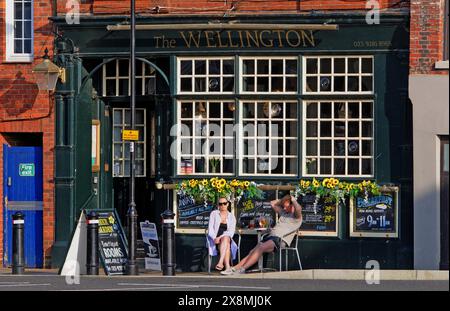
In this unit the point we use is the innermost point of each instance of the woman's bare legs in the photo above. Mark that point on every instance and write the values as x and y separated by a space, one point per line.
224 246
255 254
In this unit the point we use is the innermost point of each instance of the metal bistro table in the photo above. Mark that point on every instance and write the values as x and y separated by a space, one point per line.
260 232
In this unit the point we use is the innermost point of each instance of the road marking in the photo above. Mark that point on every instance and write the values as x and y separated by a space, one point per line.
121 289
14 282
29 284
194 286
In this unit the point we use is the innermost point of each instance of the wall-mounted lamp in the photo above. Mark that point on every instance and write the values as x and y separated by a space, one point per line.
47 74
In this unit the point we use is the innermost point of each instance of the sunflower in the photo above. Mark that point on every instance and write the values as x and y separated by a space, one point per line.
316 184
204 182
222 182
246 184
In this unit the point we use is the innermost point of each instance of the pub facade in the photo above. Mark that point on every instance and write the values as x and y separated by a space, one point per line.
263 97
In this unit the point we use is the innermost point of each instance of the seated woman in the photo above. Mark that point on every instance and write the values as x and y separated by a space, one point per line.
290 219
222 225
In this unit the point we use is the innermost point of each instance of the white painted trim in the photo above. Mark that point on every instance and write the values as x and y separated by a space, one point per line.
345 138
346 74
207 75
10 56
442 65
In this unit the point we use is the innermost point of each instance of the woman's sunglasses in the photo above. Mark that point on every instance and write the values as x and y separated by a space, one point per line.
223 203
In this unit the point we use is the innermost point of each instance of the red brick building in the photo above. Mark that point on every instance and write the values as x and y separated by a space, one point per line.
428 92
26 114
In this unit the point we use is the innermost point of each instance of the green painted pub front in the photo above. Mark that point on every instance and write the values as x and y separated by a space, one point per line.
330 85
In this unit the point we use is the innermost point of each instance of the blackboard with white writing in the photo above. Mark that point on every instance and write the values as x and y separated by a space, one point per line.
113 252
193 214
320 218
250 211
375 214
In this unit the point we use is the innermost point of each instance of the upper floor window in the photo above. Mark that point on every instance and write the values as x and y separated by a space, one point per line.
267 75
19 30
206 75
338 75
116 78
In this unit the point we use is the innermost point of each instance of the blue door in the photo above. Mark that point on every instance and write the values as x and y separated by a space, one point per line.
22 189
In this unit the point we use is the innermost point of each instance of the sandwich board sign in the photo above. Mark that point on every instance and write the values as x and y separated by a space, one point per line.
151 246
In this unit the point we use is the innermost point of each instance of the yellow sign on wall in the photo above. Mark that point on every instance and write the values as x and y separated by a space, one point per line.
130 135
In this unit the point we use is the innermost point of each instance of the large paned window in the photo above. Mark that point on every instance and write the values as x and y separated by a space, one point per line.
121 148
206 75
19 30
269 142
116 78
338 138
338 75
255 129
269 75
206 137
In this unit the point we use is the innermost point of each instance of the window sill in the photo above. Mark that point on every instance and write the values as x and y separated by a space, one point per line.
441 65
19 59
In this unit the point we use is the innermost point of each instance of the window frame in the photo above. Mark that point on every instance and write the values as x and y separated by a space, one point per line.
346 74
241 138
118 77
346 138
207 75
123 158
10 55
269 75
193 137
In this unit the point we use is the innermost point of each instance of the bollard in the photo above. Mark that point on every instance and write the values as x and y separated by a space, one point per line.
18 264
168 243
92 244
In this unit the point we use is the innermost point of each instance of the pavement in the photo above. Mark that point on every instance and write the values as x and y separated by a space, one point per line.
312 274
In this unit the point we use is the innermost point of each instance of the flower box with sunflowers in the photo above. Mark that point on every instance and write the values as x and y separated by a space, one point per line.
210 190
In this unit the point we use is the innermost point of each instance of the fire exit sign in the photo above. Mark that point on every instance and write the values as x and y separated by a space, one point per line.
26 169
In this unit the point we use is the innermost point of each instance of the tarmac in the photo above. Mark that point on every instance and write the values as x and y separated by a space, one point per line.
313 274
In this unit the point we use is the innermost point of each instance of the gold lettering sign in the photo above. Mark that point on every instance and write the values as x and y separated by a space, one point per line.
236 39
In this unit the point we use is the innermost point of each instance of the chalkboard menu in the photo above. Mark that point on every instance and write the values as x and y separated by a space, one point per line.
192 214
113 252
374 216
319 220
249 211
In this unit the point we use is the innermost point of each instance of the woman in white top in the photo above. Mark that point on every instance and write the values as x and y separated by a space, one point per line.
222 225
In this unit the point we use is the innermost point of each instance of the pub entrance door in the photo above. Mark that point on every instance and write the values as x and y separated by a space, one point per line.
145 161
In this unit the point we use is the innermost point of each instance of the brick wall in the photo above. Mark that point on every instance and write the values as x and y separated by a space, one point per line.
222 6
427 36
25 109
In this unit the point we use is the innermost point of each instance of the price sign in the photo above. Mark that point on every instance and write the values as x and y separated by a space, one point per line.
375 216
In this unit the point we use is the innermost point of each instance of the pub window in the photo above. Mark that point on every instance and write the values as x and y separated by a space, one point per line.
268 143
349 75
116 78
19 30
338 138
121 148
206 143
267 75
205 75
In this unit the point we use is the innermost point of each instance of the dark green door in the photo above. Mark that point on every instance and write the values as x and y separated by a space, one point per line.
144 165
